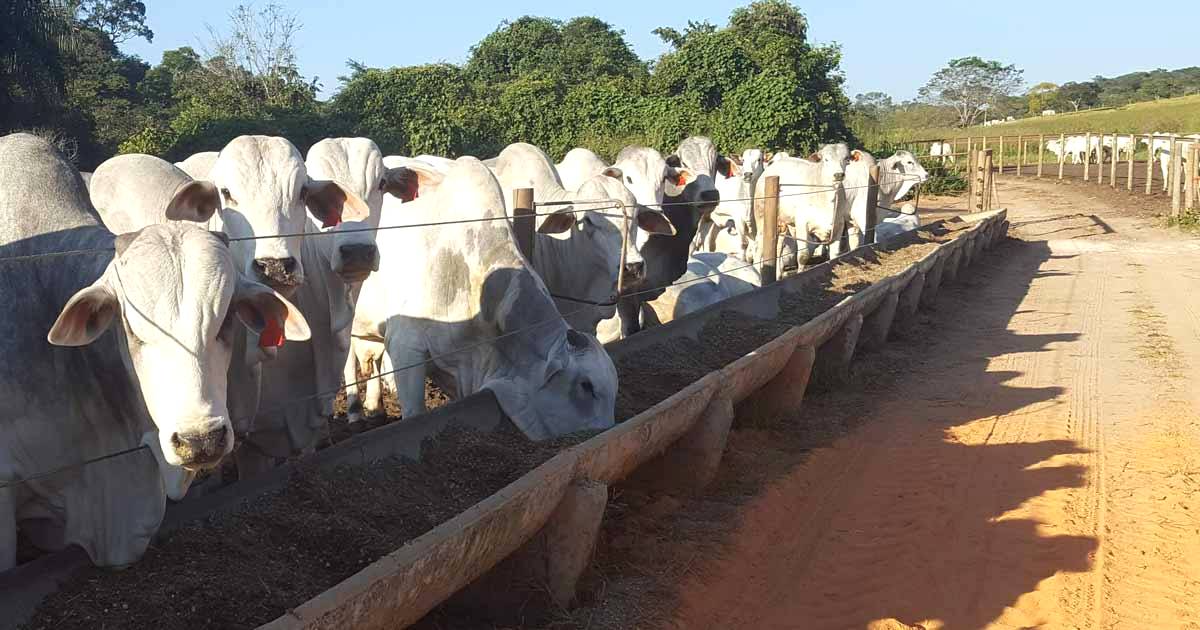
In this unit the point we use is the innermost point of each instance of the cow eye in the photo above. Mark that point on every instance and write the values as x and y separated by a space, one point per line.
629 179
228 197
588 387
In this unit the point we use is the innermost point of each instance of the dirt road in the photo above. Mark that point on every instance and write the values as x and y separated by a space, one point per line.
1039 466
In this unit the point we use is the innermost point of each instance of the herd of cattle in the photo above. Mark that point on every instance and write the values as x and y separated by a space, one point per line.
1078 148
150 309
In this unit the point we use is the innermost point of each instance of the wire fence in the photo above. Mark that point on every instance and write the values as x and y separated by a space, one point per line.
609 203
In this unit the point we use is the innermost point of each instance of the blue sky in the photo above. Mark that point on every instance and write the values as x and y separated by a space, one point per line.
887 46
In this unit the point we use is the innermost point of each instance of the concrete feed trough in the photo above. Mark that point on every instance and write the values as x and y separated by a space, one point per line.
559 504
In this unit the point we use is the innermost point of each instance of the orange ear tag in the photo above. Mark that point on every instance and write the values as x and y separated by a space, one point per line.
681 181
271 336
412 189
332 220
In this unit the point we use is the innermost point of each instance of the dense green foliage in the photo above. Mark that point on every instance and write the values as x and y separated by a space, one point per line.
558 84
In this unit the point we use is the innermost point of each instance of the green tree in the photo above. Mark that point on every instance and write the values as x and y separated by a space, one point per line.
33 36
119 20
1041 97
1077 95
971 85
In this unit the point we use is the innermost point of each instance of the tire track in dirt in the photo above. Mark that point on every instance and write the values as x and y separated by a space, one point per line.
1152 527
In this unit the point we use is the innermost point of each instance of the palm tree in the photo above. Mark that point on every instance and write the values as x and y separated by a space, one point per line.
33 36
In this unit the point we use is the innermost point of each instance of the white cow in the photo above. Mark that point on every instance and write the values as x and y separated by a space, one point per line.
897 176
577 166
942 150
264 190
1056 147
730 220
896 222
459 303
577 250
710 278
125 346
1164 147
1077 148
338 259
811 203
199 165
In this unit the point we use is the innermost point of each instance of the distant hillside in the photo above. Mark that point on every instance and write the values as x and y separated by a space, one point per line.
1137 87
1169 115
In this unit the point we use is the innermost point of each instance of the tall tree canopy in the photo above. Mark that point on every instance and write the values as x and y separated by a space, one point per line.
971 85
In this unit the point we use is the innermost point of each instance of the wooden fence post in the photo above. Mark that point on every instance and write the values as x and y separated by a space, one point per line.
988 180
1062 153
972 181
1020 153
1100 161
1001 153
1192 156
770 230
523 221
1116 157
1176 174
1041 150
967 157
1129 166
1150 164
1170 176
872 205
1087 154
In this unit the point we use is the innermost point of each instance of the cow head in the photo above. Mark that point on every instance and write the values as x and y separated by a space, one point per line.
265 190
905 171
699 155
177 294
356 164
752 164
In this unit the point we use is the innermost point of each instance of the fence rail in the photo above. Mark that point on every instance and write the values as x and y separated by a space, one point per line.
1104 157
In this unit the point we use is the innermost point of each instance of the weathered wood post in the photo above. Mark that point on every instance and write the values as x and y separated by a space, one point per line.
1150 164
972 180
1100 160
1041 151
769 246
1020 153
967 157
524 220
1176 174
1116 158
1062 153
1170 176
1192 156
1129 165
1087 154
872 205
988 180
1001 160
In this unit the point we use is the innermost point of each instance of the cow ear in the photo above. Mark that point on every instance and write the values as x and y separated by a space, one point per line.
195 201
613 172
815 157
561 221
676 180
655 222
409 182
855 155
727 167
85 317
268 314
673 161
332 204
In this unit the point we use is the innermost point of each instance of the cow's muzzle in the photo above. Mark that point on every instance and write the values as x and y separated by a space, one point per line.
357 261
710 196
201 449
280 274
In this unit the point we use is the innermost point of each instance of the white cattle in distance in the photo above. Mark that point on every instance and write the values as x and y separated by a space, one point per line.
1056 147
942 150
710 278
458 302
1164 147
816 216
339 254
1077 148
577 249
122 347
199 165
